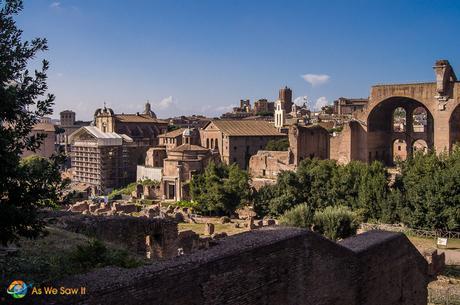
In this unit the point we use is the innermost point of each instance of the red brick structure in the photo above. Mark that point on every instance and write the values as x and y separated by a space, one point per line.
273 265
238 140
417 116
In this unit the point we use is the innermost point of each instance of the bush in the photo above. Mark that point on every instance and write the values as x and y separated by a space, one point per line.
299 216
278 145
336 222
95 255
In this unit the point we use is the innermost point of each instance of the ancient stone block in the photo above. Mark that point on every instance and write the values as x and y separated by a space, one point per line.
79 206
208 229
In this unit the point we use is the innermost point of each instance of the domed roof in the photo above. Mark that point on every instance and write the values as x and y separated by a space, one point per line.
148 110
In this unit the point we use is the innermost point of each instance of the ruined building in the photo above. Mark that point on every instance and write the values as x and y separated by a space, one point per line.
182 163
237 140
310 141
402 118
275 265
346 106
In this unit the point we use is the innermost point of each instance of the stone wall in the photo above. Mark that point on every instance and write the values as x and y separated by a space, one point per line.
267 266
155 238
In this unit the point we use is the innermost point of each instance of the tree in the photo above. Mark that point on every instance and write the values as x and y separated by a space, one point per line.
220 189
278 145
22 103
300 216
336 222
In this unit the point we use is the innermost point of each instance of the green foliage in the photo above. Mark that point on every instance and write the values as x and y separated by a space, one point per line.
430 188
278 145
127 190
299 216
264 113
220 189
22 190
172 127
322 183
95 255
187 204
336 222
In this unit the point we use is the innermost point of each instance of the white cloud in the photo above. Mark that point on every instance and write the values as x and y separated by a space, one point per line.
166 103
55 4
299 101
316 79
321 102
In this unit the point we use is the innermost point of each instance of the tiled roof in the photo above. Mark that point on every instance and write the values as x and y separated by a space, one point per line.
189 147
242 128
172 134
137 118
47 127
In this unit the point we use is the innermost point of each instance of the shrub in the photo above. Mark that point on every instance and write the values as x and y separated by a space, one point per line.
336 222
299 216
95 254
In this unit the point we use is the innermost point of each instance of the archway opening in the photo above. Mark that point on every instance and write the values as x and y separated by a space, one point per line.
399 119
454 127
419 119
420 145
399 150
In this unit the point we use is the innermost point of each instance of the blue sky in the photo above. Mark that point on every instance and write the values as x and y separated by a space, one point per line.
198 56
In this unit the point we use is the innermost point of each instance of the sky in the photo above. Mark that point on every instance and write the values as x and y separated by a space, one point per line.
203 56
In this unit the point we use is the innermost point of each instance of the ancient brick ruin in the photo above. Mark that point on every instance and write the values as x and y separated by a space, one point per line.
273 265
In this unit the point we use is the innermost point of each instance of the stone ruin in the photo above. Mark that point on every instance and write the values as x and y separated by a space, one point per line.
273 265
151 235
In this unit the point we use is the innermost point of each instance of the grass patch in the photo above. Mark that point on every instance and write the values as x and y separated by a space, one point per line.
452 244
62 253
198 228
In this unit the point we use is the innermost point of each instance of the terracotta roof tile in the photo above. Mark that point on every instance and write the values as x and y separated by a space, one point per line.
172 134
135 118
185 147
247 128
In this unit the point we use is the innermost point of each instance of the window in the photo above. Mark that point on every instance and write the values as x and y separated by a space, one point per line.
399 120
399 147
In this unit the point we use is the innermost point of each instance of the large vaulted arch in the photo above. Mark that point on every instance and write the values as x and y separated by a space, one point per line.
396 120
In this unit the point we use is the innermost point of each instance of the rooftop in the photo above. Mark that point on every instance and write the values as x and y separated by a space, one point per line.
137 118
47 127
172 134
246 128
189 147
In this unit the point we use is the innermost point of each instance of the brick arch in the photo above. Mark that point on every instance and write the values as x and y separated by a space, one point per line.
381 134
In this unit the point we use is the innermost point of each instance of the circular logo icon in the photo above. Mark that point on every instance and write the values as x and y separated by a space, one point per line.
17 289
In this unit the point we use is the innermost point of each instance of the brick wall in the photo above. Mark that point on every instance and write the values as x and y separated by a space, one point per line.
268 266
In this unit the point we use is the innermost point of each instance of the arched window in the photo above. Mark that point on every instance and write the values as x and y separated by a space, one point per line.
216 146
207 143
419 119
212 143
399 120
420 145
399 150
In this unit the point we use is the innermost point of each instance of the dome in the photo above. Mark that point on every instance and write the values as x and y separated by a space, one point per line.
148 110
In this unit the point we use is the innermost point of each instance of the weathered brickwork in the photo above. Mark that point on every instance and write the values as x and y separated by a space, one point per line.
268 266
